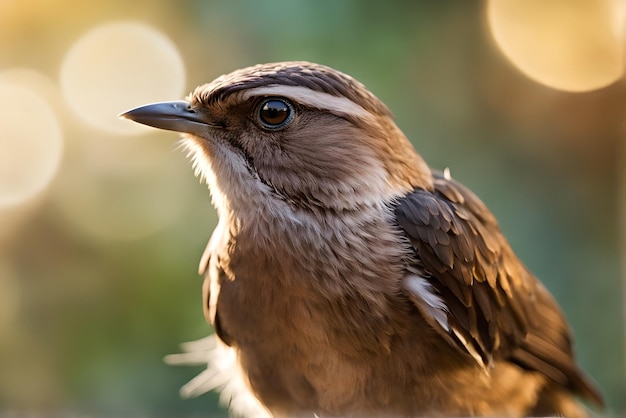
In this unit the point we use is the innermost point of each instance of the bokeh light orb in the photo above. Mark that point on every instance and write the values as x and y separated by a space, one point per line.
567 45
31 143
118 66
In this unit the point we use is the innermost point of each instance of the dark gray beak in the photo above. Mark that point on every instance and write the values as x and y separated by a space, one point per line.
176 116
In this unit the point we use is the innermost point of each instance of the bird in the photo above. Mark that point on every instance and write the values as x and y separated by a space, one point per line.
345 277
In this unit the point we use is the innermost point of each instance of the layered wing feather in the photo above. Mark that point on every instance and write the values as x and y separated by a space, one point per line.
486 301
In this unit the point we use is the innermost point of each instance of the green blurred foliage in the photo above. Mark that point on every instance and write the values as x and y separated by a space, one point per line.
96 316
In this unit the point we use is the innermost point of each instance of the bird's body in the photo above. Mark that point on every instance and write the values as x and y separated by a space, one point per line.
347 277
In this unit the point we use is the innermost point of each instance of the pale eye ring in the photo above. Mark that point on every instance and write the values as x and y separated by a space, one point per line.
275 113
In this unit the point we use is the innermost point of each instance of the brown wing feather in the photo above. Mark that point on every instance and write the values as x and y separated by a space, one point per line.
213 277
495 307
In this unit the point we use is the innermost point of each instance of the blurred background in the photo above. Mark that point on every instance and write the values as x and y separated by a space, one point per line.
102 222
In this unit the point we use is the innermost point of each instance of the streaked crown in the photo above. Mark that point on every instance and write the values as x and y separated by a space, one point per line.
301 76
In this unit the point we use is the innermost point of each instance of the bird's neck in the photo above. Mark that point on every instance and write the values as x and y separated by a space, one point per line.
407 169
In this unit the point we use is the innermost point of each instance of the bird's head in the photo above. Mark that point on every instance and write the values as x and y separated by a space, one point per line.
301 132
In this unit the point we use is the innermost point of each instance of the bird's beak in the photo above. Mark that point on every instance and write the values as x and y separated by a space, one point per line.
176 116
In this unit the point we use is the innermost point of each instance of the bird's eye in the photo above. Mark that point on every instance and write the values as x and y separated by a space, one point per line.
275 113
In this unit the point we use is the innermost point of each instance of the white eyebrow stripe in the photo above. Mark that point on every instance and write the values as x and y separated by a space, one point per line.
312 98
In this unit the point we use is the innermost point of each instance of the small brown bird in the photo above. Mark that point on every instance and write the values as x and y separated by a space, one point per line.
345 277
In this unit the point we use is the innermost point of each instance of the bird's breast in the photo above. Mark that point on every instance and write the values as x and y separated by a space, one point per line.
317 314
321 270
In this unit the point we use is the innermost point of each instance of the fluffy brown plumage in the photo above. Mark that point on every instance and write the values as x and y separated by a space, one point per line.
345 278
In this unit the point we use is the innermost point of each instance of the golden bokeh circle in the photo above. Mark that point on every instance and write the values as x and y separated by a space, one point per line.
571 46
118 66
31 143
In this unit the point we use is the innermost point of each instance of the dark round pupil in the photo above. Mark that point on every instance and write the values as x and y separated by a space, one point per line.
274 112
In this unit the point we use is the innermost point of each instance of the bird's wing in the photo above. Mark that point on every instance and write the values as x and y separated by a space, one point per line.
470 285
213 275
